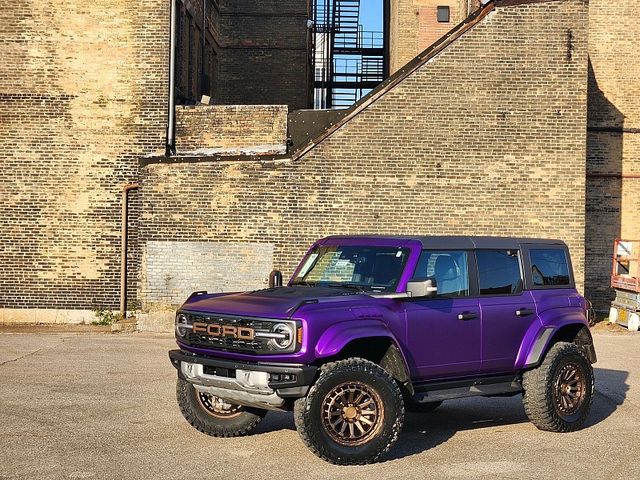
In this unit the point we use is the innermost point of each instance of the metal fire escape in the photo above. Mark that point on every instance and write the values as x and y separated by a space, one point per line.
348 60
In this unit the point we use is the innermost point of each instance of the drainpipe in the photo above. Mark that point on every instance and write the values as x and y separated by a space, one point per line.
123 248
170 144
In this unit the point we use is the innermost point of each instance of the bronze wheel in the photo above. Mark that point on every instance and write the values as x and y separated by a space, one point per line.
558 393
352 413
213 415
217 407
569 389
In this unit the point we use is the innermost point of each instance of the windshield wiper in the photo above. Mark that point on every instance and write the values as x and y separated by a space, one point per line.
305 283
353 286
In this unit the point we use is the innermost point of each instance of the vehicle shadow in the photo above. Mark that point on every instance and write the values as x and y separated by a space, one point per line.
611 392
423 431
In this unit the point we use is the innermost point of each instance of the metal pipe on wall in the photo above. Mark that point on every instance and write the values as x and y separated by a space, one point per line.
123 248
170 147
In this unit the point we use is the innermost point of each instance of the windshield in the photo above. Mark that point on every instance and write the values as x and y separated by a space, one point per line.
366 268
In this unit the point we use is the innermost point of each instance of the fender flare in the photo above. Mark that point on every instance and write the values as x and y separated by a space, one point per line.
337 336
540 337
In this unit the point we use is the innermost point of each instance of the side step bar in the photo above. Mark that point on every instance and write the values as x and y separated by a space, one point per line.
486 387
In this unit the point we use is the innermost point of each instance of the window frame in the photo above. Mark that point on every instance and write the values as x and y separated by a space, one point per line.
529 285
521 266
471 272
446 8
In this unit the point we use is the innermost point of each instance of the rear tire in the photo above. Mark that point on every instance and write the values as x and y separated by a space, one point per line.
558 394
352 415
213 416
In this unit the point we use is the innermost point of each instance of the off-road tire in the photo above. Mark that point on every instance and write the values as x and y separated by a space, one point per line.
416 407
542 384
315 431
241 422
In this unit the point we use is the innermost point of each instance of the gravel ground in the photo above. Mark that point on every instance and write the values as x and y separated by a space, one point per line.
96 405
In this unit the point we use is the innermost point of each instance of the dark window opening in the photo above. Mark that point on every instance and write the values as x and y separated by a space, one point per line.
499 272
549 267
443 14
196 52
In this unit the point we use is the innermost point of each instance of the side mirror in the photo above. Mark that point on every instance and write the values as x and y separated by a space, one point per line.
422 287
275 279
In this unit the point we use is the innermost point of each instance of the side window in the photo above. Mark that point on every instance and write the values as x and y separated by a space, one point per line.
449 268
499 272
549 267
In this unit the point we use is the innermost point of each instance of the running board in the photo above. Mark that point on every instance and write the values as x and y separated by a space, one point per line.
485 387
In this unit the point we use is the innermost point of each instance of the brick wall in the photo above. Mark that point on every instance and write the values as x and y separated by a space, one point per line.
82 97
414 26
613 194
460 146
231 127
265 57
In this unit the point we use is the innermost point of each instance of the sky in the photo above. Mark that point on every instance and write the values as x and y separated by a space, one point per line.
371 15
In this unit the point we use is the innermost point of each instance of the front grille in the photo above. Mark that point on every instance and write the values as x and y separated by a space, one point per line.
257 345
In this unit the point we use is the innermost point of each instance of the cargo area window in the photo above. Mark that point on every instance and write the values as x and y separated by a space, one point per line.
549 267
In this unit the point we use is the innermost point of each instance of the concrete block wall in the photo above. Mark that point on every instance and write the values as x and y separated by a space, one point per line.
477 140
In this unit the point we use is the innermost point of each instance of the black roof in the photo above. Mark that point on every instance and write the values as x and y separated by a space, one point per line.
448 242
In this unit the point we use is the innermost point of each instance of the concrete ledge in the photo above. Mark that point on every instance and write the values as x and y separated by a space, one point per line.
162 321
45 315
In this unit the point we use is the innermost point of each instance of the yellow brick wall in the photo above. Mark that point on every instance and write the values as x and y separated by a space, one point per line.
613 163
82 97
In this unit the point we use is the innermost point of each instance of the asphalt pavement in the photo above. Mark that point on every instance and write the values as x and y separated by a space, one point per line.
102 406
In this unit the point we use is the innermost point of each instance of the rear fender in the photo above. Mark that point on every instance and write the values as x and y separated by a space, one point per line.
549 328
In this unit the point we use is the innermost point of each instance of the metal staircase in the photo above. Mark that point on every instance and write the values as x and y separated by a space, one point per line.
348 61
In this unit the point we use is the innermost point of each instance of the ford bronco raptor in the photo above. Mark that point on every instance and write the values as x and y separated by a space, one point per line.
368 326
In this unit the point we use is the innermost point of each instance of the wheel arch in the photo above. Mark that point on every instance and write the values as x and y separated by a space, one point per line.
377 345
539 342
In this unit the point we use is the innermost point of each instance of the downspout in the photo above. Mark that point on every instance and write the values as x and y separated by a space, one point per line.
170 144
123 248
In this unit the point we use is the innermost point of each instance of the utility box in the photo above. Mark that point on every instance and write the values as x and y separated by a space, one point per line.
625 280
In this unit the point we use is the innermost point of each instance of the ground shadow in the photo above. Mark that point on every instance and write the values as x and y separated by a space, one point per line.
611 389
423 431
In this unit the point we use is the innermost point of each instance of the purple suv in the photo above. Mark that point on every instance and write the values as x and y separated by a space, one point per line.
369 326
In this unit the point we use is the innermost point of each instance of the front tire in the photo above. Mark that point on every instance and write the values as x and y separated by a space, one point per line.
352 415
558 394
212 415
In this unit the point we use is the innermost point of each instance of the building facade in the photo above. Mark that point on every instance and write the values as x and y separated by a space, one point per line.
472 135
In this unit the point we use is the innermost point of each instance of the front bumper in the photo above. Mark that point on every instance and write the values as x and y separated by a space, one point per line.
253 384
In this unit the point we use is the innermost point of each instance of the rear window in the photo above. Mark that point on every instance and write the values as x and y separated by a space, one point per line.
499 272
549 267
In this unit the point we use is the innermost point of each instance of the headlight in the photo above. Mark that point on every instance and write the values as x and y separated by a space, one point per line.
285 336
182 325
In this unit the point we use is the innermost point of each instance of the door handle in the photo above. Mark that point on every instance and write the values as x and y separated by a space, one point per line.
523 312
467 315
